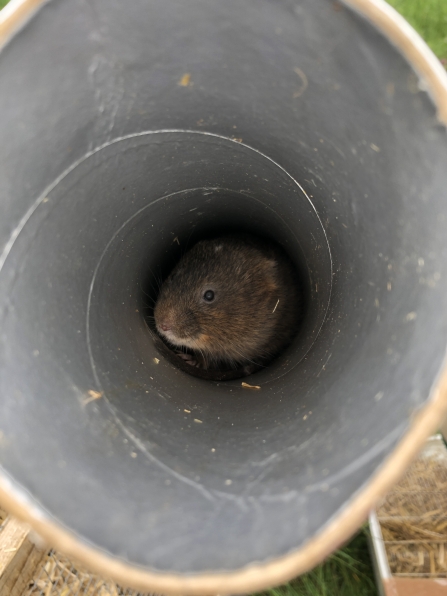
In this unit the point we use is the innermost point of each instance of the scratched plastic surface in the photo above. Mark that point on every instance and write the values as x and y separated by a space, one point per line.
125 128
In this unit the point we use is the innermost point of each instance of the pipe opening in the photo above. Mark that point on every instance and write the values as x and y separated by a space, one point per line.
233 190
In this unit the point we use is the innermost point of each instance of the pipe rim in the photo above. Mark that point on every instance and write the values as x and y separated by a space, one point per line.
257 576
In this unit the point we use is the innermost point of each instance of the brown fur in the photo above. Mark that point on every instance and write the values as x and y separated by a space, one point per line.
241 325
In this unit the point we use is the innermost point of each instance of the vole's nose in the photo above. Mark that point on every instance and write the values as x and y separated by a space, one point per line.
164 320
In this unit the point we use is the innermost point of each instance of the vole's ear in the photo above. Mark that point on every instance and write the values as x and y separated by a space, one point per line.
206 244
272 274
218 248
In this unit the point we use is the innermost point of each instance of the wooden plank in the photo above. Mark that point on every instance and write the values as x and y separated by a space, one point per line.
12 536
409 586
27 572
17 556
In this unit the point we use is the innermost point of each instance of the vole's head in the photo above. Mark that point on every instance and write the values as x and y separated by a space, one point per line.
218 299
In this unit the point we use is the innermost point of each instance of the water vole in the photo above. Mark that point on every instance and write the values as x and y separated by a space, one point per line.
232 301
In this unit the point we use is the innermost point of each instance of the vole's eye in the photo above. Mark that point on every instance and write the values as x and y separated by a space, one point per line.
208 296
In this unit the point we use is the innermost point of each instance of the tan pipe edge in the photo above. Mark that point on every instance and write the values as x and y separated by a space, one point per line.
258 576
432 74
15 16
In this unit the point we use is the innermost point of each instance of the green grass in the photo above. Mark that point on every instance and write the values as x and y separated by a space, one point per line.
429 18
3 3
347 572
